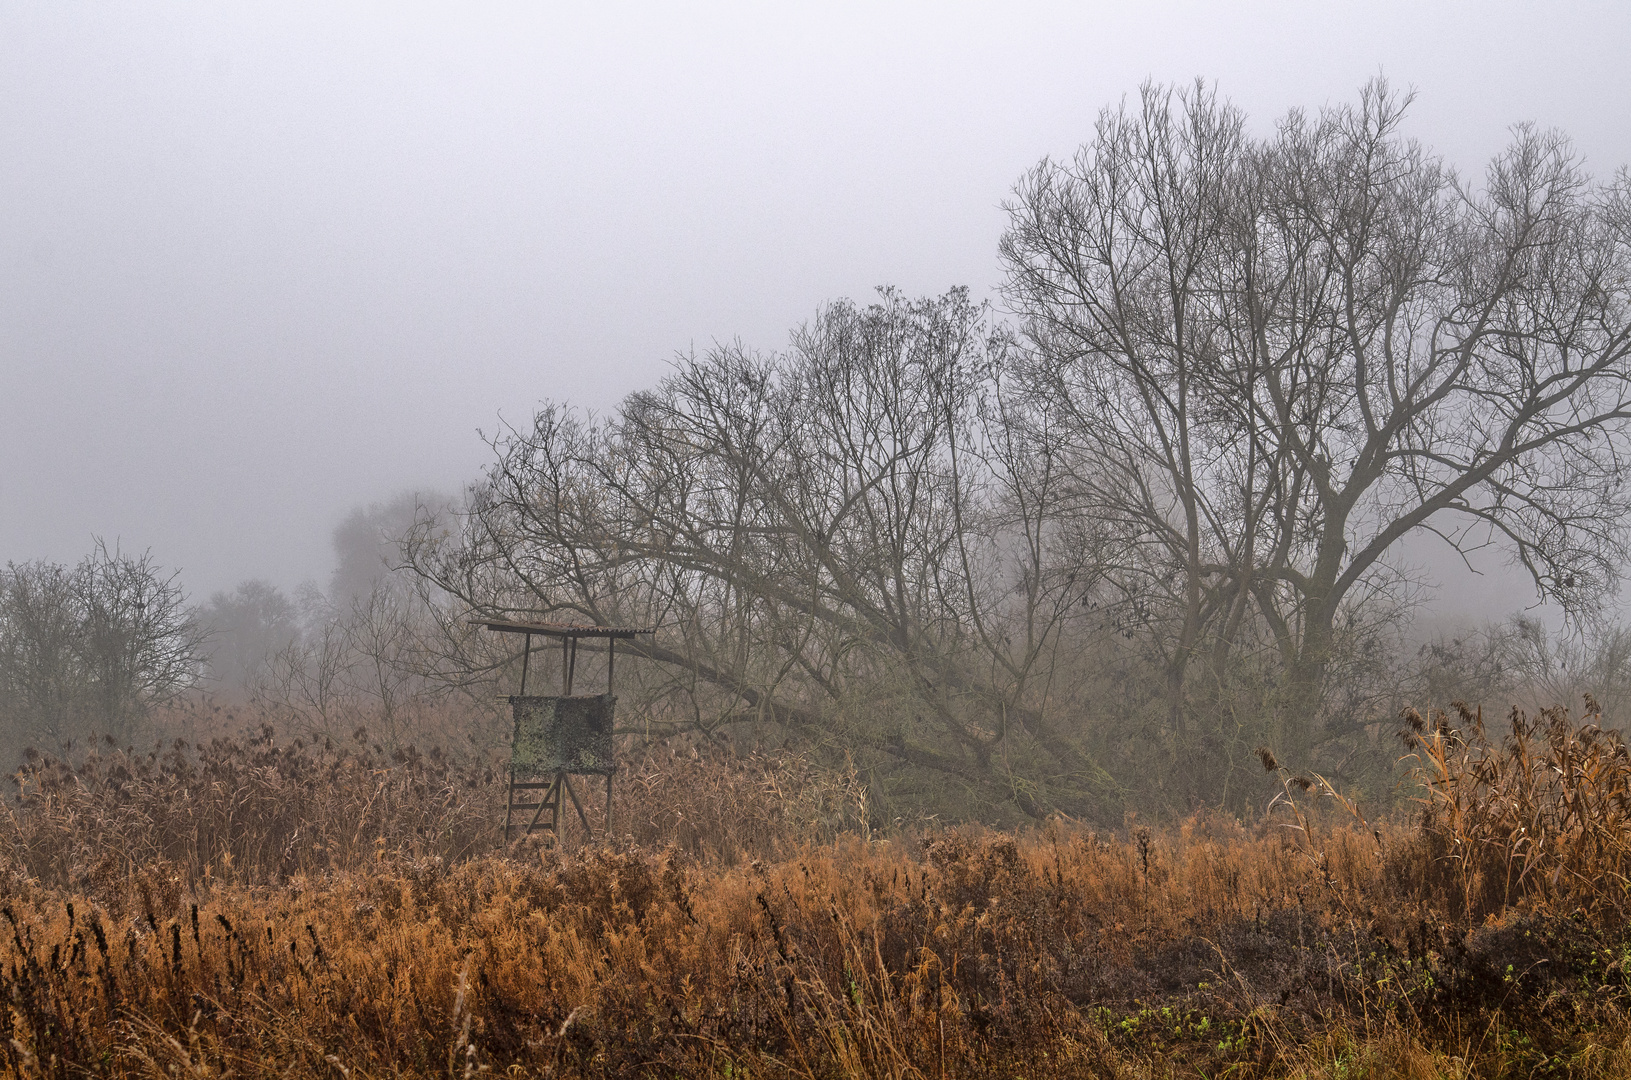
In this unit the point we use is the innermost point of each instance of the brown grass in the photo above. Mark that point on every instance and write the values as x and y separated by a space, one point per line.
1308 944
260 810
1541 818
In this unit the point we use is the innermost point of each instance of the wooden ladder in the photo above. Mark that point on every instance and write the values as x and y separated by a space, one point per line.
554 791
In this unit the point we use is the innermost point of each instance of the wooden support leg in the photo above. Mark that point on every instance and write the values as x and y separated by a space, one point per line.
588 833
555 808
509 803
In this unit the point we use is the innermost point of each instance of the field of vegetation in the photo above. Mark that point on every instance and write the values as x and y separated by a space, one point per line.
261 907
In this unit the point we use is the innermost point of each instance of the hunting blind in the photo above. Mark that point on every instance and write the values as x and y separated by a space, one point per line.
562 736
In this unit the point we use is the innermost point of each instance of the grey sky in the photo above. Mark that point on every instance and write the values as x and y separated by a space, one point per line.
262 263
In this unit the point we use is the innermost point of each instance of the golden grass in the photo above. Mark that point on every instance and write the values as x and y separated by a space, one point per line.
1542 817
1306 945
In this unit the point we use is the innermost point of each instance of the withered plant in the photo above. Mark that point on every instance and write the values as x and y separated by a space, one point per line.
773 933
1540 816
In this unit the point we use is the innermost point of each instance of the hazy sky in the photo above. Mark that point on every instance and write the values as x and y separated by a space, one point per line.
262 263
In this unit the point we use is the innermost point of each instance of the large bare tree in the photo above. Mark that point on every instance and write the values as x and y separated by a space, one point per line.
844 541
1266 361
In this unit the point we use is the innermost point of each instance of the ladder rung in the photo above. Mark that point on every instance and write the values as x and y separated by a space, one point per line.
518 785
530 805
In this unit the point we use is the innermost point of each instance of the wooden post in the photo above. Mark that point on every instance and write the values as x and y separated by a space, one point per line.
526 655
509 805
611 688
566 782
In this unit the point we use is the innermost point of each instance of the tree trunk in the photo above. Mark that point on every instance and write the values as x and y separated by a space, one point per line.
1302 702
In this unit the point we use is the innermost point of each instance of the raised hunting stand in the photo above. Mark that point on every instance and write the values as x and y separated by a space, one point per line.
560 737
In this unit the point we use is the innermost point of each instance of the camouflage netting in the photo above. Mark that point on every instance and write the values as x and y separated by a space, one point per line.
570 734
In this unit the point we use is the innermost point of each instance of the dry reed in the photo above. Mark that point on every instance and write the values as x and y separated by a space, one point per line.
1308 944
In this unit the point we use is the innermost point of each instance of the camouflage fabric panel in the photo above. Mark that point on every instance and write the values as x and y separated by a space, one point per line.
570 734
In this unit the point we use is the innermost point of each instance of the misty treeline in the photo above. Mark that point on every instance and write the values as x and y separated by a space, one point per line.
89 652
90 648
1093 553
325 662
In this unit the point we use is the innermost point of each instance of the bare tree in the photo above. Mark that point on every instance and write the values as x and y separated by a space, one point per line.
1269 360
88 650
140 645
356 654
383 632
1546 666
41 678
843 542
308 678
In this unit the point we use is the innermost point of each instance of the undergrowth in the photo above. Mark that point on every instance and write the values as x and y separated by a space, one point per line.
1485 937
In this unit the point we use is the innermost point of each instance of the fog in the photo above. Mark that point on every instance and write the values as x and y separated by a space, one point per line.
261 265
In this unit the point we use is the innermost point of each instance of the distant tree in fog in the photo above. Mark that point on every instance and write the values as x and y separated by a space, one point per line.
247 626
87 650
367 542
42 679
356 650
1549 668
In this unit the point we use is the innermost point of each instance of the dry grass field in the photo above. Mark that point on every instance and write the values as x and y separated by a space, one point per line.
254 908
